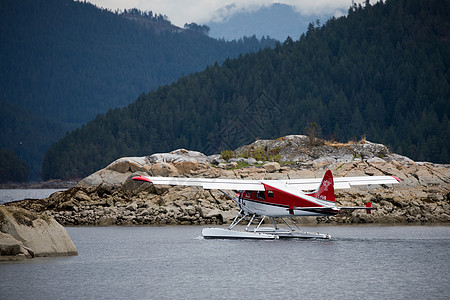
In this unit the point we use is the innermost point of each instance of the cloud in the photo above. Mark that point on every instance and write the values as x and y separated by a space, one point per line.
204 11
319 7
223 13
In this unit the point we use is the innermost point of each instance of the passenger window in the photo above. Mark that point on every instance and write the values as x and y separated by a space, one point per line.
270 194
261 195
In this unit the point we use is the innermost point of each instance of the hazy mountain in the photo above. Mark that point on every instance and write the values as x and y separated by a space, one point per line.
277 21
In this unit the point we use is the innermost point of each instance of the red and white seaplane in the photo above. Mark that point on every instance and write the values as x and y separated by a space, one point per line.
283 199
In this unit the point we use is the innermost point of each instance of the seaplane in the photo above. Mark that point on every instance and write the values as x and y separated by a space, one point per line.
274 200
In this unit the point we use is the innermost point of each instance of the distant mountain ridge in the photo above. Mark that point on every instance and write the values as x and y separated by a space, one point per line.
66 61
276 21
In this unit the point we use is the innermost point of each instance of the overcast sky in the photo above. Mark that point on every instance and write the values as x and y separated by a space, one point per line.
205 11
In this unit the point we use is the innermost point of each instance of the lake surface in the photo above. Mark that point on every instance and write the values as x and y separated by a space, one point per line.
374 262
8 195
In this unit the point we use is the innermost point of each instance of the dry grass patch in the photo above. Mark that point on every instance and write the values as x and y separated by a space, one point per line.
362 141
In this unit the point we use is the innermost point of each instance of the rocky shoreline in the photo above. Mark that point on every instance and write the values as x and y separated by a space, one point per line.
109 196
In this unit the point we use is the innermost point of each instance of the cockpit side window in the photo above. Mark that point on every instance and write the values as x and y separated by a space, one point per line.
261 195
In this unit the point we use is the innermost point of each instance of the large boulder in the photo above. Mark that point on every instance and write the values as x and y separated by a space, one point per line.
26 234
163 169
272 167
129 164
117 174
180 155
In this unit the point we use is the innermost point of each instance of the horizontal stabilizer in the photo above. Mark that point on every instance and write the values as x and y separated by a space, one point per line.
342 182
357 207
318 209
368 207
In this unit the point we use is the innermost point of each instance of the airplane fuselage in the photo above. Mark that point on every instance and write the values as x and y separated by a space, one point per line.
274 204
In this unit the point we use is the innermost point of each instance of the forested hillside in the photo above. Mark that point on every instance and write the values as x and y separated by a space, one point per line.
381 71
30 134
12 170
67 61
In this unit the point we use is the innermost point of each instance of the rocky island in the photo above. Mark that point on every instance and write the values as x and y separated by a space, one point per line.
109 196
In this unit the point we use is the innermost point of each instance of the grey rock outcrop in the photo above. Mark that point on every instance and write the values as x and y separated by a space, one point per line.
24 234
178 162
110 197
180 155
299 148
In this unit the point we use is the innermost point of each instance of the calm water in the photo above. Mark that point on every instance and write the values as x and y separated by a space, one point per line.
401 262
8 195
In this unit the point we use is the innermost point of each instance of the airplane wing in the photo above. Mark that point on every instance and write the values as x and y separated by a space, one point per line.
342 182
257 185
206 183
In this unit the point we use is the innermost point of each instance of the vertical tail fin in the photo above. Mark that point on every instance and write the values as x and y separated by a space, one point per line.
325 191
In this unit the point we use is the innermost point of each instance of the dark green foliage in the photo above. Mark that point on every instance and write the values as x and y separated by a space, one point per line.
12 169
66 61
381 72
28 135
145 16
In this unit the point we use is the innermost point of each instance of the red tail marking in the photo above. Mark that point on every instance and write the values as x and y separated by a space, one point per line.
326 189
368 205
396 178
